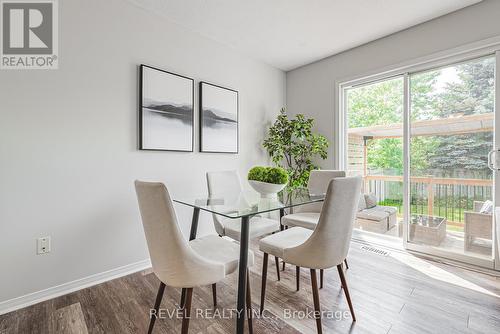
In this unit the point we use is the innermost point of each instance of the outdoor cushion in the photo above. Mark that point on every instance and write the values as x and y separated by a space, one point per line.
389 209
362 202
371 201
372 214
487 207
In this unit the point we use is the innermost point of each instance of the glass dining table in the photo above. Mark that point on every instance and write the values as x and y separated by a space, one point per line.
243 206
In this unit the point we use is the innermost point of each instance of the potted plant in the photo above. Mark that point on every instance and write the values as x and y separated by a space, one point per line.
267 181
293 145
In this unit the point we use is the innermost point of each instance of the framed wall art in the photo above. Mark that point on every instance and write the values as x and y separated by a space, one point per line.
166 111
218 119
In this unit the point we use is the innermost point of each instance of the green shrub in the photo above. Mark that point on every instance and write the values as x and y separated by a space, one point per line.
275 175
257 174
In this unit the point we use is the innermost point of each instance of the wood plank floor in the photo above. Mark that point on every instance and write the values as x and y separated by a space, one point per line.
398 293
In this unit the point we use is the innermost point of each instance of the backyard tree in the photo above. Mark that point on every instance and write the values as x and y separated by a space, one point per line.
472 94
442 155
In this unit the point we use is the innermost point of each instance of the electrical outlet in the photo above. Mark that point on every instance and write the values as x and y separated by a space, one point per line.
43 245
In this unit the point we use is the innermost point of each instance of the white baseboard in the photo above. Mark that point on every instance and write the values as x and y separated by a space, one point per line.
65 288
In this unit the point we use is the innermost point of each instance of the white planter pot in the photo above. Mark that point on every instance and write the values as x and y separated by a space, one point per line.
267 190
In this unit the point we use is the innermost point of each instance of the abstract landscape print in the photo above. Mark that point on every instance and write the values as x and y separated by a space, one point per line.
218 119
166 110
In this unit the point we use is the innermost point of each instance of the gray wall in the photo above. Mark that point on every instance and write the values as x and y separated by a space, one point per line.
310 89
68 141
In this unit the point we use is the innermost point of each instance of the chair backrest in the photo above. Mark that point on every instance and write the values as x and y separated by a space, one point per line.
318 184
224 184
174 262
477 205
329 243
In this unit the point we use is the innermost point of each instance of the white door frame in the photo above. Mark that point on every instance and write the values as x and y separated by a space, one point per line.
496 175
479 49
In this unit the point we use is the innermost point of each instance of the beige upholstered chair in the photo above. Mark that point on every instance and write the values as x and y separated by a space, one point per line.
323 248
177 262
307 216
227 184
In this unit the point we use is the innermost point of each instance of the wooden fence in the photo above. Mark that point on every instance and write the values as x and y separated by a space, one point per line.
435 196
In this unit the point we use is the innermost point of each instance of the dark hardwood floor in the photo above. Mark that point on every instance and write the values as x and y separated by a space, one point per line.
398 293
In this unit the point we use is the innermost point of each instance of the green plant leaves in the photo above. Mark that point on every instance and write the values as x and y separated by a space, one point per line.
292 145
275 175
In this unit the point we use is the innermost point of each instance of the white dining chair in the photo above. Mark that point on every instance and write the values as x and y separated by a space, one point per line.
227 184
177 262
325 247
307 216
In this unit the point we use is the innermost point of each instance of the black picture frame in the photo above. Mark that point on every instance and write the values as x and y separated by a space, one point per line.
202 118
147 147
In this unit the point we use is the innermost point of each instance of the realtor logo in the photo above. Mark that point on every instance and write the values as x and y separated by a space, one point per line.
29 34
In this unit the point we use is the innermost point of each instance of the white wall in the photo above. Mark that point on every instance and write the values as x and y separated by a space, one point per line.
310 89
68 141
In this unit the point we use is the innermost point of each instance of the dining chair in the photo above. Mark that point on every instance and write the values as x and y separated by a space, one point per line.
177 262
307 216
227 184
324 247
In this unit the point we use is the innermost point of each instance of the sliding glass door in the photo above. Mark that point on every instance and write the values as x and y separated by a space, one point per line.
451 133
375 152
420 140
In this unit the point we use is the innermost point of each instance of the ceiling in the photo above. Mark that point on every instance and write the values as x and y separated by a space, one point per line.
290 33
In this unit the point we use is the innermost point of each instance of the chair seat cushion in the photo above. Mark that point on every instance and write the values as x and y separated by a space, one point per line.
259 226
220 250
275 244
372 214
389 209
307 220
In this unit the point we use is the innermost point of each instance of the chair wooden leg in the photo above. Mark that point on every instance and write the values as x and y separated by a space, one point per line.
183 298
284 263
346 265
214 294
321 274
186 314
346 291
277 267
249 305
159 297
317 307
263 285
297 277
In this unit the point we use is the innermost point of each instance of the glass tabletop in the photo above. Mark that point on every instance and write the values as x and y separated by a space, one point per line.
426 221
249 203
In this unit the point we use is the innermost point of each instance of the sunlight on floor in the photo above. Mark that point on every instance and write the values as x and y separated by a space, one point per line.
431 270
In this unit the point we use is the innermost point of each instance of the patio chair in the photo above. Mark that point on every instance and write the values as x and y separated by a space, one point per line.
477 225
